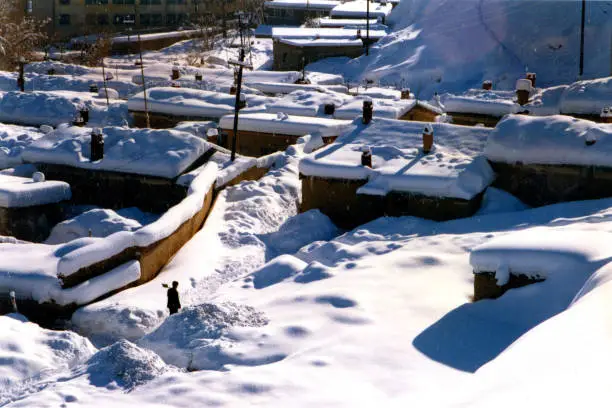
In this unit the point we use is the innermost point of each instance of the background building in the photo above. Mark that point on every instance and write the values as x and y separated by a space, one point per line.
82 17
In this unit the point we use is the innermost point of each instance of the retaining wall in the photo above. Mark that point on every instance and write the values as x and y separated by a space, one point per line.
542 184
338 199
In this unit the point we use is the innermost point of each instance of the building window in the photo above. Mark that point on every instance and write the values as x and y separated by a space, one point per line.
176 1
127 2
124 19
147 2
171 19
103 19
96 2
64 19
64 2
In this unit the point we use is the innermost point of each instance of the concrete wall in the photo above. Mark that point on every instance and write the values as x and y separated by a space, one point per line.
471 119
257 144
290 58
538 185
338 199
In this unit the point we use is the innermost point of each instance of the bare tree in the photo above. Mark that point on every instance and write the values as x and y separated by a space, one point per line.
19 35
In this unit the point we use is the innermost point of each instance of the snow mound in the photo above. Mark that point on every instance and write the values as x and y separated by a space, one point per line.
197 337
300 230
550 140
439 45
99 223
124 365
29 352
498 201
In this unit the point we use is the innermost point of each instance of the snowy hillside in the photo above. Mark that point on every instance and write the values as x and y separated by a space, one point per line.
447 46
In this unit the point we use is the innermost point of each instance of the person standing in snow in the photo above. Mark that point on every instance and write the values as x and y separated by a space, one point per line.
174 303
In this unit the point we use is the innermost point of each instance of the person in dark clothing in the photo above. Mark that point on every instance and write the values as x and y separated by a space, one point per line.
174 304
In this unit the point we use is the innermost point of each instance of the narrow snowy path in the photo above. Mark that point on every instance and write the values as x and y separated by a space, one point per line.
250 223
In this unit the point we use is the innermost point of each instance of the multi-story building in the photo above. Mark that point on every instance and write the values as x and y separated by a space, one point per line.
81 17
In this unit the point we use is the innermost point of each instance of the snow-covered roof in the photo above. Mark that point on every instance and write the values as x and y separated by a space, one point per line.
539 252
359 9
162 153
13 140
344 22
455 167
285 124
587 97
550 140
307 103
322 33
285 88
483 102
25 192
36 108
302 4
305 42
383 108
188 102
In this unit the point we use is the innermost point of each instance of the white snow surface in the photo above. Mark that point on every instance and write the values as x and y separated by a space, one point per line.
321 33
13 140
359 9
285 125
441 46
587 97
189 102
550 140
25 192
305 4
455 168
162 153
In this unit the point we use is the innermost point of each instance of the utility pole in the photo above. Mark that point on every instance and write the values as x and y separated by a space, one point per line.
241 65
367 27
144 84
104 79
581 67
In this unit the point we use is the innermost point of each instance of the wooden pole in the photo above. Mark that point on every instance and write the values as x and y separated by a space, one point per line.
104 78
144 84
581 66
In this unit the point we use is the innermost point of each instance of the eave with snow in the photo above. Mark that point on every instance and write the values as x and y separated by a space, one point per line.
296 12
446 183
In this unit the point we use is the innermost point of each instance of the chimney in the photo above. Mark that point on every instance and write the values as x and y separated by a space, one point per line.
368 111
198 76
97 145
606 115
176 74
523 89
329 108
428 135
366 157
405 93
84 112
487 85
242 101
532 77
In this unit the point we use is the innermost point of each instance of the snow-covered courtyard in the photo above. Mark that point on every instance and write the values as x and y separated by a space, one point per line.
507 306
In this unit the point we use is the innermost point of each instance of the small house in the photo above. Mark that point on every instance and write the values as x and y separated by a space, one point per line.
395 168
296 12
262 133
552 159
477 106
295 54
30 207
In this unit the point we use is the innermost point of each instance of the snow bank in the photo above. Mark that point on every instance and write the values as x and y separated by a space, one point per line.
189 102
199 337
25 192
99 286
98 222
359 9
274 88
541 252
454 168
321 33
302 4
550 140
306 102
29 352
285 125
441 46
124 365
37 108
13 140
323 42
483 102
162 153
587 97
